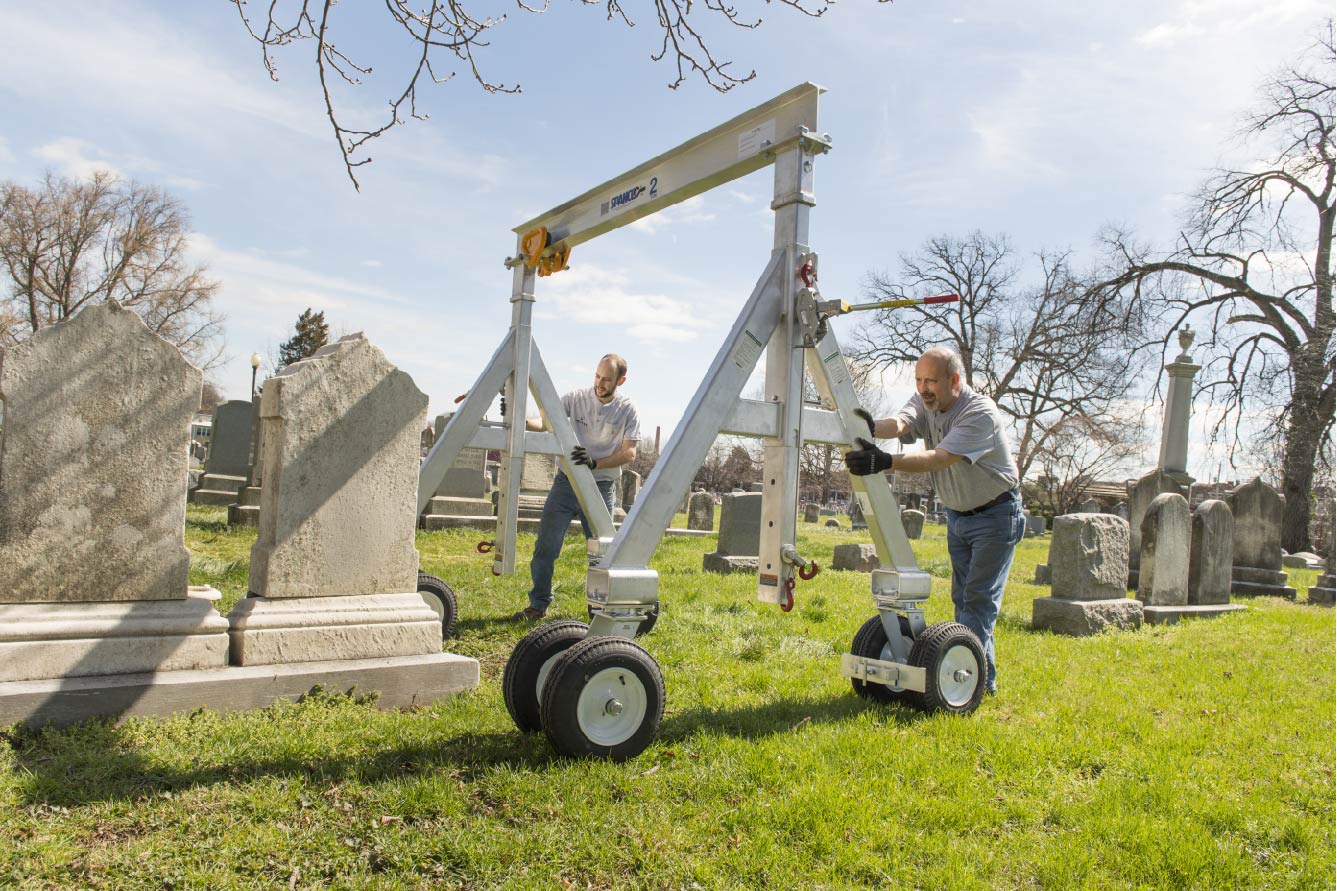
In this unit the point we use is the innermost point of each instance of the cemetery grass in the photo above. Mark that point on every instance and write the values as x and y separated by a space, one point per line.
1196 756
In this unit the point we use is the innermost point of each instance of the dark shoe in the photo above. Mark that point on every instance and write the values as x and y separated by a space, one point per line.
528 614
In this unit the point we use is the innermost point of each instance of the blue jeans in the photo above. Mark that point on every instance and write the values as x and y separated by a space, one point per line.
981 547
558 512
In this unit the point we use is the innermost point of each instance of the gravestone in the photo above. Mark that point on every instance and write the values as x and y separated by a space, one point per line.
93 560
1163 580
913 521
857 557
1089 506
740 535
1141 492
334 569
228 465
1035 524
1088 563
462 499
536 479
246 510
857 520
701 512
1211 554
811 513
630 486
1120 510
1257 570
832 523
1323 592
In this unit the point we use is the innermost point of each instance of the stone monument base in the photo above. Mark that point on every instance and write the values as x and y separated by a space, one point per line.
857 557
400 681
267 631
1042 574
1082 618
460 507
723 563
1250 582
68 640
217 489
1168 615
1322 592
246 512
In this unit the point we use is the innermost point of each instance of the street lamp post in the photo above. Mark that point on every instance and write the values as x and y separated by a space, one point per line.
255 366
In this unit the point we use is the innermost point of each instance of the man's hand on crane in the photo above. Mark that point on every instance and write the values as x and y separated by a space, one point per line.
867 459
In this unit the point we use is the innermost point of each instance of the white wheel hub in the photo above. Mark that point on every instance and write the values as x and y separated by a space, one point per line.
612 706
958 675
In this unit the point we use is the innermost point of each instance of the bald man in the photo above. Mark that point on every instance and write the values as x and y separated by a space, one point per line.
970 461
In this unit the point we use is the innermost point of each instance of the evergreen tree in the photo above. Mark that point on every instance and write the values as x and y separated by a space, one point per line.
312 334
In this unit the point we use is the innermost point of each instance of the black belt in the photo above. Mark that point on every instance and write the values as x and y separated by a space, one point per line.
1006 496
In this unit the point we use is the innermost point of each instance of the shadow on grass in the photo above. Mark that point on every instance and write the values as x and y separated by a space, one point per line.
98 761
780 716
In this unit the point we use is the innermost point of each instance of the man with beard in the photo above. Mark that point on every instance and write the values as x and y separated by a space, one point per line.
974 474
607 429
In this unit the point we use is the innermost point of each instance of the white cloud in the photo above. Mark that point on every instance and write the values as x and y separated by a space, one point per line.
374 264
685 213
596 296
76 158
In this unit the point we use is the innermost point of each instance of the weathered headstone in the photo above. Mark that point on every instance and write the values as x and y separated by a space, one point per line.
228 465
857 520
1211 554
462 499
1141 492
913 521
1088 563
1089 506
1035 525
701 512
1324 591
740 535
334 569
1257 570
1121 510
246 510
1163 580
630 486
857 557
811 513
832 523
93 560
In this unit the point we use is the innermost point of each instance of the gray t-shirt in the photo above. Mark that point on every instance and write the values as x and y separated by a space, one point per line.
601 428
973 429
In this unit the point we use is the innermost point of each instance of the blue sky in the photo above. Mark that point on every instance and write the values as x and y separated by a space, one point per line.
1043 120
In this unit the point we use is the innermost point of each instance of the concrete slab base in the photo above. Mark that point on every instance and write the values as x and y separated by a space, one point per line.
1082 618
1168 615
243 515
689 533
1322 594
60 640
401 681
1258 589
723 563
275 631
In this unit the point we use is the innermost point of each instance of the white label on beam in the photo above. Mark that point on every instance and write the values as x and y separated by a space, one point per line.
748 351
757 139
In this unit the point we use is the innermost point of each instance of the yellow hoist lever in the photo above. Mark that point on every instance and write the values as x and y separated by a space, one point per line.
537 252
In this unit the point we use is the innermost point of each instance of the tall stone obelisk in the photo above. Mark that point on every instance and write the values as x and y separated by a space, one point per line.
1178 408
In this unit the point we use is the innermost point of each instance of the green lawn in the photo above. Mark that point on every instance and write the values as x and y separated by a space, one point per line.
1198 756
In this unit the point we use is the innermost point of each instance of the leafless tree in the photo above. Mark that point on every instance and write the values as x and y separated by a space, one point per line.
1253 267
1079 451
451 31
67 243
1044 353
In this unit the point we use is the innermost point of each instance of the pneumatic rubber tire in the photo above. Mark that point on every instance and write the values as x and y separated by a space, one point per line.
442 600
953 660
530 668
604 699
645 627
870 642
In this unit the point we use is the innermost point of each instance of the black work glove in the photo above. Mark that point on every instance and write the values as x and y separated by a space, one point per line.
503 406
580 456
867 459
863 413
